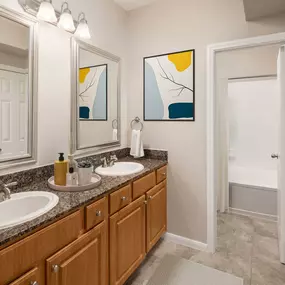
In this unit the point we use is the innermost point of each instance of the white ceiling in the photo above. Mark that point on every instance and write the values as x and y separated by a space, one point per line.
255 9
129 5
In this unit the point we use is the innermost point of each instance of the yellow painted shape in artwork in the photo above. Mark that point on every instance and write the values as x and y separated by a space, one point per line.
83 73
181 60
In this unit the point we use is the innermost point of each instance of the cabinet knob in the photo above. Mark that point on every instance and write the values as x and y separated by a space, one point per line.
34 283
98 213
163 174
123 198
55 268
150 197
145 202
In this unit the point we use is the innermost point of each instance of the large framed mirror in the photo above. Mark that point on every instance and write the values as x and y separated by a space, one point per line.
18 88
95 101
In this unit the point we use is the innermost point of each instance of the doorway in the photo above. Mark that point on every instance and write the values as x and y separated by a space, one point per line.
217 164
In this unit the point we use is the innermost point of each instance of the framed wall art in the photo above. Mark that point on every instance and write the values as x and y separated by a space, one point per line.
169 87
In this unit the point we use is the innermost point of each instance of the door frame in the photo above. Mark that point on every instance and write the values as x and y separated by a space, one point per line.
272 39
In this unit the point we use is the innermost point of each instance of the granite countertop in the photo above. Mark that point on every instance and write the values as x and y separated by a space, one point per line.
69 202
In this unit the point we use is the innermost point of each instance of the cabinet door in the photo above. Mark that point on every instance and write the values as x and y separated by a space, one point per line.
127 241
156 214
30 278
82 262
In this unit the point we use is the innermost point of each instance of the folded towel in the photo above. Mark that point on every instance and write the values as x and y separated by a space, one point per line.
115 134
137 144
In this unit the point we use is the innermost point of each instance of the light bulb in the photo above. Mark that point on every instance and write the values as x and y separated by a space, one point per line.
66 21
82 30
46 12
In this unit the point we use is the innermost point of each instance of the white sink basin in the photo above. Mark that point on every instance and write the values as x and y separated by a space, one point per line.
24 207
120 169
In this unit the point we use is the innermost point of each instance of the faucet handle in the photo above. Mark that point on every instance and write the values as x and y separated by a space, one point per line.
12 184
113 157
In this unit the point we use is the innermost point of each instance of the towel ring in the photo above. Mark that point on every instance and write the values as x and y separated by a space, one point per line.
114 122
136 120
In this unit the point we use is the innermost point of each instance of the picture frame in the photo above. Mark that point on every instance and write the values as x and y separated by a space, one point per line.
169 87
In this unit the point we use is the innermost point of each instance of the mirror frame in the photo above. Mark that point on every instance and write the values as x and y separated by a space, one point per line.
32 24
76 45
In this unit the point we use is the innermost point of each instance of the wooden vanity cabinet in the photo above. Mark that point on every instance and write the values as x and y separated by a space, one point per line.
127 241
83 262
156 220
102 243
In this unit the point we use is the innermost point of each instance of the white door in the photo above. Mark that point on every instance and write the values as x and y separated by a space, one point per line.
281 155
13 114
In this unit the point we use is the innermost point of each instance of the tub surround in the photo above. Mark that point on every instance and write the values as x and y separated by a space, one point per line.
36 180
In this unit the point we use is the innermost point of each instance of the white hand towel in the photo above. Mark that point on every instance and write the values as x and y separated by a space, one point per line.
137 144
115 134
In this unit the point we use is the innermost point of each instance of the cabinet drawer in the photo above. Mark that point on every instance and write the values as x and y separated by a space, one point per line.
20 257
161 174
144 184
96 213
120 199
29 278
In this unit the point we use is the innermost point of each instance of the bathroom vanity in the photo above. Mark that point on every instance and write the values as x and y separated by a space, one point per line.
101 241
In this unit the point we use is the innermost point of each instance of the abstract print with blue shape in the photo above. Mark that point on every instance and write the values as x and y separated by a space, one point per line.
169 87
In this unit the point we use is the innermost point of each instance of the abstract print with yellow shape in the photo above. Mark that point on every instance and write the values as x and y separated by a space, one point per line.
83 72
181 60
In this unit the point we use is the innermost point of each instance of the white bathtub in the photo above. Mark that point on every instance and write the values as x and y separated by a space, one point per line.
253 177
253 191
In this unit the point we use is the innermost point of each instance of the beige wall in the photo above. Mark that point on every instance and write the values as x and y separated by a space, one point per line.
168 26
20 38
257 61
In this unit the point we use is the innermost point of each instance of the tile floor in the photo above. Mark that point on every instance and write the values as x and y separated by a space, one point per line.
247 248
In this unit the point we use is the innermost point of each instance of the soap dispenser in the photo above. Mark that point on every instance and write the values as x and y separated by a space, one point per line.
60 170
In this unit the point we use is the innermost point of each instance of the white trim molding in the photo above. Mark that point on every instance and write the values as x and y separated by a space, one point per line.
186 242
273 39
253 214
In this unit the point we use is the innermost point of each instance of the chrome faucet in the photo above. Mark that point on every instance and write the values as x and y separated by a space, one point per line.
109 162
105 163
6 191
113 159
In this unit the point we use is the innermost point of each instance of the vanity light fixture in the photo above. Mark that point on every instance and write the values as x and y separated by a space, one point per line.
82 30
46 12
66 20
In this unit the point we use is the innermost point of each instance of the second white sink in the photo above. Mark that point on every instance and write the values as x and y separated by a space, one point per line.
25 206
120 169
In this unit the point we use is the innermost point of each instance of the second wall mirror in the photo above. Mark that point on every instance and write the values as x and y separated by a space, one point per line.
95 120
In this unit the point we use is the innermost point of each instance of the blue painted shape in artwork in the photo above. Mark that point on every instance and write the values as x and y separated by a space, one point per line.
100 103
84 112
154 109
181 110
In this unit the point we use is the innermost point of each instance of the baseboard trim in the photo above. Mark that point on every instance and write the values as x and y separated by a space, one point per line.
186 242
253 214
